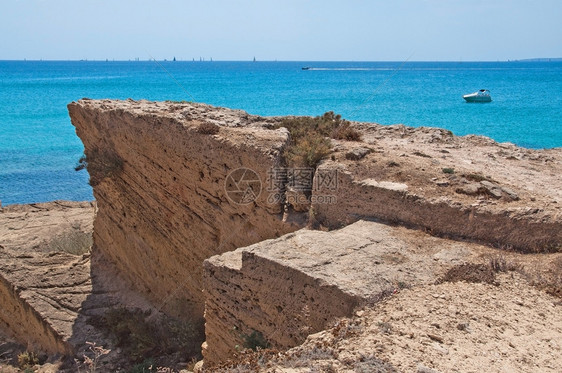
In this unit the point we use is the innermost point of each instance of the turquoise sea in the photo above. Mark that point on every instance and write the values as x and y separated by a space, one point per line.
39 148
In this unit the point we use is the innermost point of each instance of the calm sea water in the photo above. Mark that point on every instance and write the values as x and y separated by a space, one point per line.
39 148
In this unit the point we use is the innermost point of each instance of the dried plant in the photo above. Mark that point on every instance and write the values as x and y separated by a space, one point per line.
100 164
90 363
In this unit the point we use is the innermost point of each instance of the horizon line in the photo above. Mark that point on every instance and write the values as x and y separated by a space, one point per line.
545 59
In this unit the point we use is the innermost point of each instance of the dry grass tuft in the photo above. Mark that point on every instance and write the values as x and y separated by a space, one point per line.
141 337
207 128
501 264
74 242
549 280
310 138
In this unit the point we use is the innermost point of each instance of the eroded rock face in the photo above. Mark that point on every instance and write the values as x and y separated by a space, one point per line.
167 203
42 291
178 183
464 327
462 187
287 288
522 228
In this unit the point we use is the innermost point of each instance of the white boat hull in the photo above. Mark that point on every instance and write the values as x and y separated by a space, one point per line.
480 96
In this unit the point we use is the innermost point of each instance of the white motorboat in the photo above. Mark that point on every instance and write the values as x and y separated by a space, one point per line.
482 95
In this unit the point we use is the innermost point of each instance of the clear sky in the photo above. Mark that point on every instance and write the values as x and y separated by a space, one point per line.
358 30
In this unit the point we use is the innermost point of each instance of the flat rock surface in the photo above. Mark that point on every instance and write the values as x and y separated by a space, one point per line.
64 288
366 258
424 157
30 227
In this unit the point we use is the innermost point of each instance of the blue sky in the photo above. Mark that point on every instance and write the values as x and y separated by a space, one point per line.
374 30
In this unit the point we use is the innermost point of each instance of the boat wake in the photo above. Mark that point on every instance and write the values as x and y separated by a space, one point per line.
348 68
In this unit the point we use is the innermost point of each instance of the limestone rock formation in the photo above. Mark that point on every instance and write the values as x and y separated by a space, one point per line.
176 183
449 327
287 288
510 196
42 289
179 183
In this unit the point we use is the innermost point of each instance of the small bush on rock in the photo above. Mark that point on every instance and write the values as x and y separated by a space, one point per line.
310 138
100 165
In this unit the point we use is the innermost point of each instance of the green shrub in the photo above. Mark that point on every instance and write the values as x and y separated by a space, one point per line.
146 366
448 170
345 132
255 341
310 138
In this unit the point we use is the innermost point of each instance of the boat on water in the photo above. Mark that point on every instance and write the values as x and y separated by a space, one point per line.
482 95
306 68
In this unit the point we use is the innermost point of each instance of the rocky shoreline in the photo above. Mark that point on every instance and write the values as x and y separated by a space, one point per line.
387 219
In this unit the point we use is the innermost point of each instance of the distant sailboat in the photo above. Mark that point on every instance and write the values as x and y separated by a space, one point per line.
174 58
254 59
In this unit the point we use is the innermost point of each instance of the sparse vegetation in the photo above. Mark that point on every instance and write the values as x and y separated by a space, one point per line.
310 138
75 242
448 170
27 360
141 336
255 341
100 165
420 154
346 132
146 366
91 362
550 280
179 101
501 264
207 128
476 177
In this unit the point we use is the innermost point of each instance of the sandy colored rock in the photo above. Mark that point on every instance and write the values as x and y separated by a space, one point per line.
29 227
527 215
450 327
47 296
42 291
170 205
287 288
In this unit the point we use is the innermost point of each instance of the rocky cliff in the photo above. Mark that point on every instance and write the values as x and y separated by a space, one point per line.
178 183
195 209
172 189
306 280
42 288
460 187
